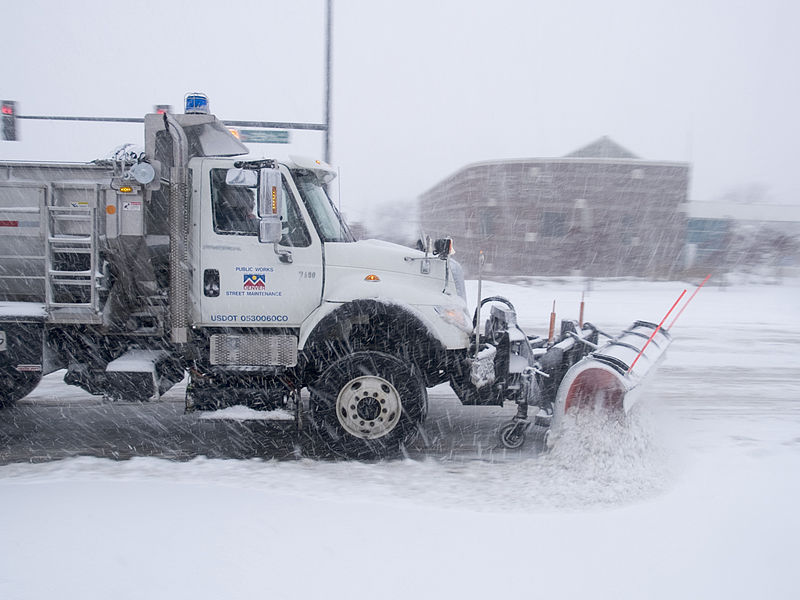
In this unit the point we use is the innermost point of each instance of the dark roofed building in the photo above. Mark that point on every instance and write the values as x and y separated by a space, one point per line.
605 147
599 211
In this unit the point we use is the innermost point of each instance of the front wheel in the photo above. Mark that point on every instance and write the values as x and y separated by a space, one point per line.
512 435
368 404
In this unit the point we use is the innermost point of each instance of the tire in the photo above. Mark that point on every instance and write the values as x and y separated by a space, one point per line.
512 436
368 404
21 360
15 385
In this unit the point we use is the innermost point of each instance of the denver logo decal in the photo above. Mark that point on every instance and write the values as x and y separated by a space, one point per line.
254 282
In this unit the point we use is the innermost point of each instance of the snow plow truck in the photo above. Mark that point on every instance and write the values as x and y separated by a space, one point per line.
188 257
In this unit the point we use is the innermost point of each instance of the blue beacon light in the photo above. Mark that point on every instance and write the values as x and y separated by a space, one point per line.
196 104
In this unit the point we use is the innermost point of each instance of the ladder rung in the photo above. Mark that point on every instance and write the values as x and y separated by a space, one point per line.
70 305
73 217
85 273
69 240
68 282
71 250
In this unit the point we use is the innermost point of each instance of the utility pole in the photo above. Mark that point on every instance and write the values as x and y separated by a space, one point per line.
327 150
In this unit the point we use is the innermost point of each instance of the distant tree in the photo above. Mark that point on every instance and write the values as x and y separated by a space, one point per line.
396 222
761 246
747 193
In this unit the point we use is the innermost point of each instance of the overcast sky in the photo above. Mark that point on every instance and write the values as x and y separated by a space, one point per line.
422 88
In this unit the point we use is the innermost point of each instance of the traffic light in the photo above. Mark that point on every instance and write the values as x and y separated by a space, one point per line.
9 114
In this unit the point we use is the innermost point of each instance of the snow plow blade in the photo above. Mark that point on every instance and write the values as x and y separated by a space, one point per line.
609 378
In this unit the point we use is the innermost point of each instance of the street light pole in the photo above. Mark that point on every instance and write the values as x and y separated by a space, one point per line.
327 150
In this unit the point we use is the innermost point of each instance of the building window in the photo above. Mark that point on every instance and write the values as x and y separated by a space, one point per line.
707 234
553 224
627 225
582 215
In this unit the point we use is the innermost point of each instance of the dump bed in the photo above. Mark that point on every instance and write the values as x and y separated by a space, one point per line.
67 194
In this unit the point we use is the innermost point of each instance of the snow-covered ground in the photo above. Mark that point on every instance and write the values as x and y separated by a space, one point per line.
697 498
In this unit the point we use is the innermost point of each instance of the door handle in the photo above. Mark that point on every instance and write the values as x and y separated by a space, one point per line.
211 283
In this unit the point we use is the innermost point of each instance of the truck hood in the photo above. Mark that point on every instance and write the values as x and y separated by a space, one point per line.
374 255
398 270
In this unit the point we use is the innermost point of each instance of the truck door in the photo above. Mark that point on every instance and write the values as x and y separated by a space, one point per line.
245 283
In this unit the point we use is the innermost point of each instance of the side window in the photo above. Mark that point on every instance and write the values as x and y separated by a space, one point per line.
233 207
235 212
295 232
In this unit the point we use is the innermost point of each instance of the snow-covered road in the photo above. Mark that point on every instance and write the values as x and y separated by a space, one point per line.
697 498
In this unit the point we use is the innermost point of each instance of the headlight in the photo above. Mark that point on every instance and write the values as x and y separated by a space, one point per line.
454 316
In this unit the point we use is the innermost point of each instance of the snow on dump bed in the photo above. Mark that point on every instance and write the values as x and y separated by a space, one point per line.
22 309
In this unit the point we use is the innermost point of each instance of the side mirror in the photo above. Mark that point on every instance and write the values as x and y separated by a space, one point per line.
270 197
269 229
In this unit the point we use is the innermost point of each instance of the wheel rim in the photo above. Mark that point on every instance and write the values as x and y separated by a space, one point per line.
510 439
368 407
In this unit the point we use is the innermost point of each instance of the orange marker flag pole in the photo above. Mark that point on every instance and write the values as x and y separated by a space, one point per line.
680 312
647 343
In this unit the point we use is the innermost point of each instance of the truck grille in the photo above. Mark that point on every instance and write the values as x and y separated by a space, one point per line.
254 350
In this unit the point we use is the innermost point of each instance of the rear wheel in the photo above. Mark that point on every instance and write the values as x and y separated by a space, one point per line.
368 404
20 360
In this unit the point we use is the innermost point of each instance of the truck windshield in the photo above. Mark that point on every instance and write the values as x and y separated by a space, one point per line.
328 221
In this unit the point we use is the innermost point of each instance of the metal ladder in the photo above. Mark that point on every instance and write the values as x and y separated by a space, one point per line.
71 292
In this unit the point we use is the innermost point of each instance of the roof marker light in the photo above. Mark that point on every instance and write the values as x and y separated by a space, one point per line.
372 277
